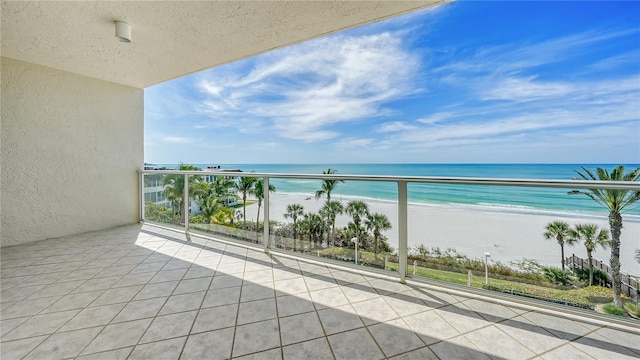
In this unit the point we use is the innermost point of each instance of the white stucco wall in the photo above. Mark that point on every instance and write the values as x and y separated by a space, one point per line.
71 146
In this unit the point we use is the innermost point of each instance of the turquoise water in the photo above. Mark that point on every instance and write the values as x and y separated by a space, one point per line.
496 198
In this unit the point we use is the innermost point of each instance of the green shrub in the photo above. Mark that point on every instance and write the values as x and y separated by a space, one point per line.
557 276
599 277
611 308
632 309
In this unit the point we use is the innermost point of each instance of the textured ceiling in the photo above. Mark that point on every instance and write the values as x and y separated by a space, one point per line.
172 38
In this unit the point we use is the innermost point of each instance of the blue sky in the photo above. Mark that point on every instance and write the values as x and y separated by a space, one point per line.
466 82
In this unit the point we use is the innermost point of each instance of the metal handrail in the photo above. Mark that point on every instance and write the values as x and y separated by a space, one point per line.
546 183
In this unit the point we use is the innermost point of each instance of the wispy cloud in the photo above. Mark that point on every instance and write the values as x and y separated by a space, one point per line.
303 90
177 139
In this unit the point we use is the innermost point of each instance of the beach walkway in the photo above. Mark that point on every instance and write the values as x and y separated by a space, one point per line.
143 292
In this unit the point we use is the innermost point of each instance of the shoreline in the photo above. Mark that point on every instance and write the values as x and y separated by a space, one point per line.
506 235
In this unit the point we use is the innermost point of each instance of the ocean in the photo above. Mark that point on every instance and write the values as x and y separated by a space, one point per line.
493 198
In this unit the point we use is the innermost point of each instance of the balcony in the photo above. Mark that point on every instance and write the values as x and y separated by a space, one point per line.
152 292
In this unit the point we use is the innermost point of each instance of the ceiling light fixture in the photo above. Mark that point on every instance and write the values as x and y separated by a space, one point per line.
123 31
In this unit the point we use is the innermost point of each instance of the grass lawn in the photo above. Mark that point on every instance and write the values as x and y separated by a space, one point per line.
586 297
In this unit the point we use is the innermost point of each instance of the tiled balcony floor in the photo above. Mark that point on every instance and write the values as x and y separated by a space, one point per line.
141 292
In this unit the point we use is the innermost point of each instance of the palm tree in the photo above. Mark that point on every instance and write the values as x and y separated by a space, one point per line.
313 225
245 186
377 222
592 237
357 209
328 185
558 230
174 188
615 201
331 209
294 211
258 189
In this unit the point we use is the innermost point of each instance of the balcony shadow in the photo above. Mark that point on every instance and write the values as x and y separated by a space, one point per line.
446 304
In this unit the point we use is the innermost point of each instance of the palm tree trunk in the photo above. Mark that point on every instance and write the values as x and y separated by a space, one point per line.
590 269
257 223
295 233
562 254
615 223
244 211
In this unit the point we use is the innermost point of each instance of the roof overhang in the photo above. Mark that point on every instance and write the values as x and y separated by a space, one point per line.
173 38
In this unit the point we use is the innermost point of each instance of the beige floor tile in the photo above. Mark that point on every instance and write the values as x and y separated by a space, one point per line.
317 349
291 286
256 311
405 304
256 337
601 348
423 354
183 302
457 348
395 337
97 284
64 345
168 275
223 280
192 285
461 318
140 309
565 352
225 296
197 271
251 292
117 336
40 325
301 327
169 326
359 292
498 344
273 354
320 282
154 290
532 336
93 316
339 319
430 327
10 324
354 344
14 350
329 297
159 350
117 295
73 301
374 311
294 304
212 345
215 318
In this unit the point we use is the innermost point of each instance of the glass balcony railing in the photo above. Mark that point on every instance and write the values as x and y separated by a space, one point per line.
523 237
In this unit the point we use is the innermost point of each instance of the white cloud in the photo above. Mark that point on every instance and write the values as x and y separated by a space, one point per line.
514 88
177 139
394 126
306 89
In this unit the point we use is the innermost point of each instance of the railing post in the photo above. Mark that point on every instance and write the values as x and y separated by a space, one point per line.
186 203
141 186
402 230
266 214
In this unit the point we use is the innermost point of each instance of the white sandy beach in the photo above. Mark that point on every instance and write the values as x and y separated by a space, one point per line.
506 236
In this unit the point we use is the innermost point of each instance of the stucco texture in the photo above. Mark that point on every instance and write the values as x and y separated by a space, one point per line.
70 148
